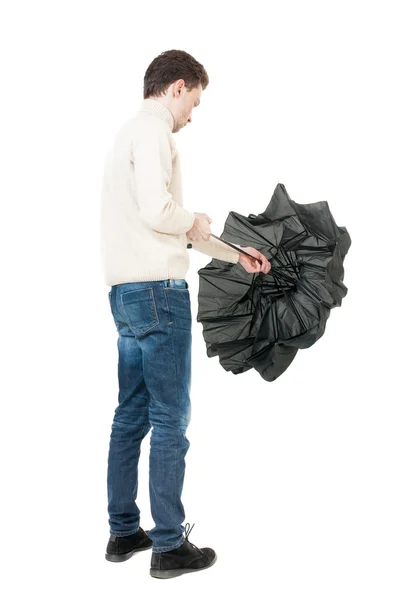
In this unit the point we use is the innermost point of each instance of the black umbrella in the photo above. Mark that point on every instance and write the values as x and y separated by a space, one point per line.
257 320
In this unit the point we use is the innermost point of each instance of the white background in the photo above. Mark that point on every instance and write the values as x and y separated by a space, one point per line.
300 485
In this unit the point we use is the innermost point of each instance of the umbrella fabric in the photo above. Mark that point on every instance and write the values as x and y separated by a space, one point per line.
253 320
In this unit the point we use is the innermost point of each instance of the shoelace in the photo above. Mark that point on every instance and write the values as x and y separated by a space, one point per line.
187 531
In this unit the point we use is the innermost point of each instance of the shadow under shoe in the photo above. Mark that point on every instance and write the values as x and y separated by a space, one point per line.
122 548
185 559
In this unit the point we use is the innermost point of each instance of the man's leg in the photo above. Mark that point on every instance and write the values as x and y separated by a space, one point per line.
167 374
130 425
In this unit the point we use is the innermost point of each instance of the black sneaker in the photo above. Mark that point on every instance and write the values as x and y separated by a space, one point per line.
185 559
122 548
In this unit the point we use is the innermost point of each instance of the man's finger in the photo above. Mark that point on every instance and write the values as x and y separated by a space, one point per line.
264 264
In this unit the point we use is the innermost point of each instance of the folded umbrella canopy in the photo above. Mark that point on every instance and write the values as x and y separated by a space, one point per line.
260 321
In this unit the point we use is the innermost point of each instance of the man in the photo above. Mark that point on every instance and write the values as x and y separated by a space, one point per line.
145 231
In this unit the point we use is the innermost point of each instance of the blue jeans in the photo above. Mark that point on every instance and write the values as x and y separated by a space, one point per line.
153 320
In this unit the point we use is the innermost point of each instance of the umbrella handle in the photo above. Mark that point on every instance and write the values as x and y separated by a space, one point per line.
236 248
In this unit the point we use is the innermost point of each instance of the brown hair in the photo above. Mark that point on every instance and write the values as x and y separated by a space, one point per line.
169 66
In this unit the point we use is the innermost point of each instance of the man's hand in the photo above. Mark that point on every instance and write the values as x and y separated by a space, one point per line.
253 266
201 228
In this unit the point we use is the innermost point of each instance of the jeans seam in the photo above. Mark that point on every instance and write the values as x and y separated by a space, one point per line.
167 305
178 405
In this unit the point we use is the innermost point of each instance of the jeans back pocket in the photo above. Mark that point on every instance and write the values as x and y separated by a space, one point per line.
139 308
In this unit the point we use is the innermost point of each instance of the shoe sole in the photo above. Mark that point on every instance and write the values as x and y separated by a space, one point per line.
168 574
123 557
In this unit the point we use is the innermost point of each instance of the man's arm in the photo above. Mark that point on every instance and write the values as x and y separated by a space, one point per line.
216 249
152 165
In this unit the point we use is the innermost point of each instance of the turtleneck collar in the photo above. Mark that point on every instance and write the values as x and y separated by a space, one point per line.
154 107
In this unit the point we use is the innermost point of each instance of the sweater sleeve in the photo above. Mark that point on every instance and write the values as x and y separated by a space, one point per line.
152 164
216 249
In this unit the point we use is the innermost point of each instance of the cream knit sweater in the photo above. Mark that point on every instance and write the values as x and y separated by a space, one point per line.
143 223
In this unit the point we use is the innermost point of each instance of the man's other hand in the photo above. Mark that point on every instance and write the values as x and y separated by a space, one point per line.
252 265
